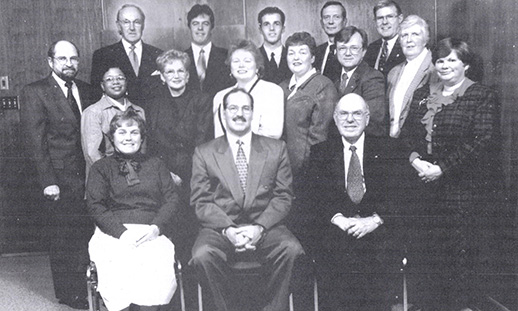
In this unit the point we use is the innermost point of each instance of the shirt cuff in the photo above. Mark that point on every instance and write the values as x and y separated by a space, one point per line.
336 216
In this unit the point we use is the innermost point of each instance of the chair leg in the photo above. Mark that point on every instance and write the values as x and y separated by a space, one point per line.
200 299
91 282
179 277
291 301
315 293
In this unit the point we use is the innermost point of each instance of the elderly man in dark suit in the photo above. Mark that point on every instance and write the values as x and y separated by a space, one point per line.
333 18
241 192
209 72
135 58
271 25
385 53
50 117
346 195
357 77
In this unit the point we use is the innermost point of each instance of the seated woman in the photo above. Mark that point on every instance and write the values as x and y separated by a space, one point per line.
132 199
246 66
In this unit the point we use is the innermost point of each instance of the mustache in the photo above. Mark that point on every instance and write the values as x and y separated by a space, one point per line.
239 118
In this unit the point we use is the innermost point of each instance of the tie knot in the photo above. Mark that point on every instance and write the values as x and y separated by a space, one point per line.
132 47
332 48
68 84
272 56
202 52
352 148
239 143
345 76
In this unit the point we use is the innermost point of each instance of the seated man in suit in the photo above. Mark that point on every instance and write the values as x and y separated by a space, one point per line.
135 58
209 74
385 53
333 18
346 195
241 192
271 25
357 77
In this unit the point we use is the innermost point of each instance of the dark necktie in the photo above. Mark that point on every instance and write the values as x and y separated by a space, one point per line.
273 63
383 56
133 59
242 166
343 83
201 67
72 100
355 178
327 70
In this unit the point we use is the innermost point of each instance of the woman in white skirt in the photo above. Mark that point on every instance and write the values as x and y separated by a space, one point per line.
133 200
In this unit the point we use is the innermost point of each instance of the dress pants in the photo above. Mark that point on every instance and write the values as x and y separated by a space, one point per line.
278 249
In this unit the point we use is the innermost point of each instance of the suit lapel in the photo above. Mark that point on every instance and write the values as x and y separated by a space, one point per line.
422 72
258 156
60 99
126 64
225 161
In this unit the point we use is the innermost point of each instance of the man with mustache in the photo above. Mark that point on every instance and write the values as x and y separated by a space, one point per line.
241 192
209 74
135 58
50 117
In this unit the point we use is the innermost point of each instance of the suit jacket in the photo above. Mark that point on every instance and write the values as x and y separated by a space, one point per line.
396 55
334 68
275 74
217 76
52 132
217 196
306 118
138 88
369 83
425 73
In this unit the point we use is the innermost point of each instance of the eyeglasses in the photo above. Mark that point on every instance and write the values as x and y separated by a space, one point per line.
113 79
127 23
235 109
352 49
389 18
344 115
63 60
179 72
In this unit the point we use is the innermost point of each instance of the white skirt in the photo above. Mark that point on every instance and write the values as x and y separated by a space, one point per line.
142 275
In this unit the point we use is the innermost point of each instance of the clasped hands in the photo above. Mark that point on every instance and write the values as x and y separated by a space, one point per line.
136 236
244 238
426 170
358 227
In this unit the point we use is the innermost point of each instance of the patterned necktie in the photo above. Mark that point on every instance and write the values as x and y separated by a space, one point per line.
383 56
355 178
242 166
133 59
201 67
343 83
329 61
273 63
72 100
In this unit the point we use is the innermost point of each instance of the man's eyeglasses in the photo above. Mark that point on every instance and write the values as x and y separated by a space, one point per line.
352 49
113 79
235 109
389 18
127 23
63 60
344 115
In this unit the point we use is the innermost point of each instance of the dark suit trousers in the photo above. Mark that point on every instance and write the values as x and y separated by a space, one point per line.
278 250
69 230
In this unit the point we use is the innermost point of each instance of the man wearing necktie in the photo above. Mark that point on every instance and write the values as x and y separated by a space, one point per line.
135 58
241 192
333 18
359 78
271 25
345 197
50 117
385 53
209 73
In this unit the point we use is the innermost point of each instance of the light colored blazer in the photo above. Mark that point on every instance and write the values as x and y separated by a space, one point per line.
217 196
425 73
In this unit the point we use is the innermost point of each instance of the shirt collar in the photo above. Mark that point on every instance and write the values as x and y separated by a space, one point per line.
358 144
419 59
349 73
127 45
197 48
118 105
304 78
391 42
276 51
246 139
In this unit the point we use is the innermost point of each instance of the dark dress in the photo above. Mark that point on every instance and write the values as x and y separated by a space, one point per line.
465 143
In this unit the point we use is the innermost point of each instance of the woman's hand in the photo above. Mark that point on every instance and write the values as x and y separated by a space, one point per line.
432 173
136 236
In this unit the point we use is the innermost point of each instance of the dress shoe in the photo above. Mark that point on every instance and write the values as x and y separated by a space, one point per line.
75 303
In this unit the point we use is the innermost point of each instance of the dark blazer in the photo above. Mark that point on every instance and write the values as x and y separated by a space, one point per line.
275 74
396 55
52 132
177 126
115 56
369 83
217 196
334 68
217 76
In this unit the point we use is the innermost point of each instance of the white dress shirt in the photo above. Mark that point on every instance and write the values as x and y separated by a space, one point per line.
347 155
390 46
196 53
326 54
349 74
75 90
247 142
277 54
138 49
295 84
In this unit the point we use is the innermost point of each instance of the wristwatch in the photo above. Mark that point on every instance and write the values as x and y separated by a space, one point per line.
377 219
